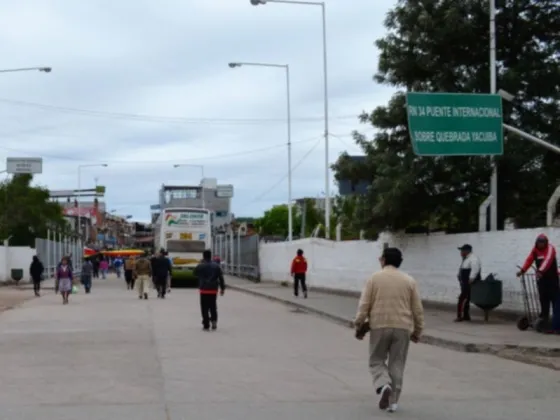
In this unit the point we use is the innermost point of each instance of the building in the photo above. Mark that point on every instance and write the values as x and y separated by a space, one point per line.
208 194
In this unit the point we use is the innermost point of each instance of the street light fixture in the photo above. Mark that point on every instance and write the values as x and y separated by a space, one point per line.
201 167
286 67
91 165
43 69
326 99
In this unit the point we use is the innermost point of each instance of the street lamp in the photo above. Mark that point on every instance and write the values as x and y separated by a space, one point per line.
326 99
289 126
92 165
201 167
43 69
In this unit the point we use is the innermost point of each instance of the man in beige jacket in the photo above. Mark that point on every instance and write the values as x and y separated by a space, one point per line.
392 305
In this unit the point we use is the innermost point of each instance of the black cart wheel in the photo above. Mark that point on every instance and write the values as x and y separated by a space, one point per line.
523 323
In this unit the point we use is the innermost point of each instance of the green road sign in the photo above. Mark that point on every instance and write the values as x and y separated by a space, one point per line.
455 124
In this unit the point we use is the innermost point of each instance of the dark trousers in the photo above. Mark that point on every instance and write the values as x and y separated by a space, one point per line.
299 278
161 285
86 281
128 278
548 293
209 308
36 286
95 272
464 303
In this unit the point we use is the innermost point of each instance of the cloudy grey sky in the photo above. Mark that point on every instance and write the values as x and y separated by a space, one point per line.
142 85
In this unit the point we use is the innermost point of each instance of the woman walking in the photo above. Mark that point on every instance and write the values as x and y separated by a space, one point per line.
104 267
64 280
36 270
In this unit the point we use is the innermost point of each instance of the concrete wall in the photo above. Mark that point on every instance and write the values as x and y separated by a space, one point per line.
433 260
13 258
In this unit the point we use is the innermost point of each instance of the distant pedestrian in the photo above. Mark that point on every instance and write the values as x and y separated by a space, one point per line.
95 262
153 261
87 274
168 285
129 266
118 263
144 272
210 279
36 270
543 255
104 267
469 272
64 278
298 271
161 270
390 302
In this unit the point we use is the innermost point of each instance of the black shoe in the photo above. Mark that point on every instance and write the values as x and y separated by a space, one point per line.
305 295
145 296
205 328
140 297
214 326
466 318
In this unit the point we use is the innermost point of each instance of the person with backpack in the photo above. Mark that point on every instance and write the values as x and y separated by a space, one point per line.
210 279
36 270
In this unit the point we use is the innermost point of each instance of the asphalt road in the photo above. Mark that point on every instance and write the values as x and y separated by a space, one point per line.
111 356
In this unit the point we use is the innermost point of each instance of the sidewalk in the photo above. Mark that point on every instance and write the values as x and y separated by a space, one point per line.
498 335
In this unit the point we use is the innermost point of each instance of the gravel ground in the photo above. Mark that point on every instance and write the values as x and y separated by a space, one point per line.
11 297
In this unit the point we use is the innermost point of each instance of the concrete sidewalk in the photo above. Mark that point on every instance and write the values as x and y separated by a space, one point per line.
477 336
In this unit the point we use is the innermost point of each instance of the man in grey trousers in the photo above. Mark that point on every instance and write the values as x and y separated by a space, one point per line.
390 302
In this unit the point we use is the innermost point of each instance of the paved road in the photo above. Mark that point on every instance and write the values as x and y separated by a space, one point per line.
110 356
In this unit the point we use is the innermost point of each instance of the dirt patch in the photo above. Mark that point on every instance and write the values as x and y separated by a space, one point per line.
550 362
10 297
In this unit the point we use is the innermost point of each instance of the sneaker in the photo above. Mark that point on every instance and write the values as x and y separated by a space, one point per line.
392 408
386 392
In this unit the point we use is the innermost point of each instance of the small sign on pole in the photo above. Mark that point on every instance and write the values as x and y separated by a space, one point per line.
455 124
18 166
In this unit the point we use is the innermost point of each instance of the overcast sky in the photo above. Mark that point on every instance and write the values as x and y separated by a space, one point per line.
142 85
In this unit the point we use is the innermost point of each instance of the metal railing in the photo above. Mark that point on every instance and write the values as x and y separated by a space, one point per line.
51 249
239 254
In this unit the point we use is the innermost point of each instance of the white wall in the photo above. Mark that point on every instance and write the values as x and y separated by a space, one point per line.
15 257
432 259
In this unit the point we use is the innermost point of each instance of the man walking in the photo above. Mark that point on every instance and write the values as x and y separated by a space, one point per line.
210 279
391 302
129 266
144 273
161 270
544 256
36 270
298 272
469 272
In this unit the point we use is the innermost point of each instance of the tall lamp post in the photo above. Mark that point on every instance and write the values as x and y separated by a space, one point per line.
286 67
201 167
80 167
326 99
43 69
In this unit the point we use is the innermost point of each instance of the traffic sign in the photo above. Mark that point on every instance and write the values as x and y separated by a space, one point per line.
455 124
18 166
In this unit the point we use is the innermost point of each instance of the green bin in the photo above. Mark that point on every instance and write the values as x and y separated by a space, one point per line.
487 294
17 274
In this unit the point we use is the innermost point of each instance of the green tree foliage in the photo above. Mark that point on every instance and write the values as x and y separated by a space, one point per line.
443 46
26 212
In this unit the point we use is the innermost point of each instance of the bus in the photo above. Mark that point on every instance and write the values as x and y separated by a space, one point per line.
184 233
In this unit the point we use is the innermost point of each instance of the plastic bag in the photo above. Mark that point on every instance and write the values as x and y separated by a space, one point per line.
74 289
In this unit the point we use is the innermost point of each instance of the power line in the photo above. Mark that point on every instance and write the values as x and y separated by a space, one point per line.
164 119
281 180
205 158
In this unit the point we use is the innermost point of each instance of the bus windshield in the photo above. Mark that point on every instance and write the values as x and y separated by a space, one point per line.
185 246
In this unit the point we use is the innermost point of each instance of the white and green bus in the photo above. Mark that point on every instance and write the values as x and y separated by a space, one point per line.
184 233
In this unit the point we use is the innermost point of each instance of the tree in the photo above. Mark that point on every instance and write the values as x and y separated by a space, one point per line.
274 222
26 212
442 45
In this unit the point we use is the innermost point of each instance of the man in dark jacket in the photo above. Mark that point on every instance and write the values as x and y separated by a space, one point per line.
544 256
210 279
36 270
161 270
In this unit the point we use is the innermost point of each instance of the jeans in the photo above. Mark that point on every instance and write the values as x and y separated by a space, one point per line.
209 308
